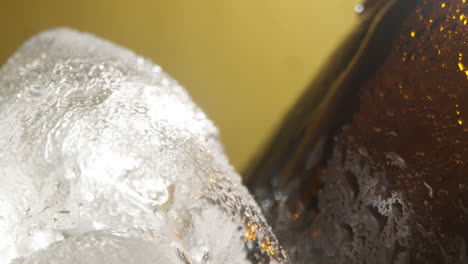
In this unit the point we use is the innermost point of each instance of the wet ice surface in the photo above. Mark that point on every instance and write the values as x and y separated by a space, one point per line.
104 158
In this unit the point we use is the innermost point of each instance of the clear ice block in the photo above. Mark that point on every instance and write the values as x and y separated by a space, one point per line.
104 158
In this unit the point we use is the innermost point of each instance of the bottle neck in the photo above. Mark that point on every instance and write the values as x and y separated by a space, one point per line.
301 142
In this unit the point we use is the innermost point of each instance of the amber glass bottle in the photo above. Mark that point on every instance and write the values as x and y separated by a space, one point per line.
371 165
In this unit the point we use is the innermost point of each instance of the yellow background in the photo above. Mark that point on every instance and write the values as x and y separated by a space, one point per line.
243 61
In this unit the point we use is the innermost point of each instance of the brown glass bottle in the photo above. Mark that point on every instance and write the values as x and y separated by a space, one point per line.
371 165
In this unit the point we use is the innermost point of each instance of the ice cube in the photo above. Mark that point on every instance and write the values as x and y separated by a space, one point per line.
105 247
94 137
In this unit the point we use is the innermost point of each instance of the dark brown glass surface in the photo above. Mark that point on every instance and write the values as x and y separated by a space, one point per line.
370 166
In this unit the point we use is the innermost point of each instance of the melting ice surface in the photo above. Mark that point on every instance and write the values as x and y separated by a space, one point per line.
104 158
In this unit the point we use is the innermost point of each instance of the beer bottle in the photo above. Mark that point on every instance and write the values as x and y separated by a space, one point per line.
371 164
